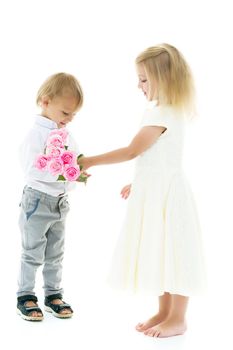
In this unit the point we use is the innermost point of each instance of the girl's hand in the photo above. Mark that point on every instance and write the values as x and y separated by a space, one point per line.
125 192
84 162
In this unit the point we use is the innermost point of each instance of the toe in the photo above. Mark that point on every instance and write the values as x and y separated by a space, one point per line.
35 314
151 333
139 326
65 311
147 332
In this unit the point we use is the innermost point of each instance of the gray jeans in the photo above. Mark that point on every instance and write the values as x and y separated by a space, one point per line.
42 225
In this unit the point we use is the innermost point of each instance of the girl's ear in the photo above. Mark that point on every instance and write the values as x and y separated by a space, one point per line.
45 100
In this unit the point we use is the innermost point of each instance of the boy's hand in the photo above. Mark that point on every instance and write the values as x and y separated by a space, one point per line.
125 192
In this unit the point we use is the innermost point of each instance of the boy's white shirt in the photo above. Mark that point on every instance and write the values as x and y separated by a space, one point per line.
33 145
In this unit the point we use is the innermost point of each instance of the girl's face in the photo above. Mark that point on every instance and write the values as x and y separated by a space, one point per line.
60 109
143 83
148 89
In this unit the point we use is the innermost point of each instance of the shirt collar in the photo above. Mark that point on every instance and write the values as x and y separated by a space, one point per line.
45 122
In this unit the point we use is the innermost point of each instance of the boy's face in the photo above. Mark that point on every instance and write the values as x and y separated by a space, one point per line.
61 109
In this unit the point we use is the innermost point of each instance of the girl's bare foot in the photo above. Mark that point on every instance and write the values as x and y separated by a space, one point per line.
167 328
153 321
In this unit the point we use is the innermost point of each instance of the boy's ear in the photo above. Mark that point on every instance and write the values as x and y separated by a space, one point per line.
45 101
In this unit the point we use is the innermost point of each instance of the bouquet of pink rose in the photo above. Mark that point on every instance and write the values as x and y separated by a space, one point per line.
58 160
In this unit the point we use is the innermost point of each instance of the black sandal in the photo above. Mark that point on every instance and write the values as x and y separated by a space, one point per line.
57 308
26 311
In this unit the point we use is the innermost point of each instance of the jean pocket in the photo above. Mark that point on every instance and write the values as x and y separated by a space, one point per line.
29 206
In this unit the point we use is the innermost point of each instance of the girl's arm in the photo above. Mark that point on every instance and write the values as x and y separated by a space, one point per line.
145 138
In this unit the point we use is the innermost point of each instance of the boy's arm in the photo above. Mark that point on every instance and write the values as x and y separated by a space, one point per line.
32 146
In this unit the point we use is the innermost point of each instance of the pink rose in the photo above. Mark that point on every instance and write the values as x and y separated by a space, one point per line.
61 132
58 160
68 157
71 173
54 152
41 162
55 166
55 141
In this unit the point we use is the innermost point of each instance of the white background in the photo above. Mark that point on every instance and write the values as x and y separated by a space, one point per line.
98 41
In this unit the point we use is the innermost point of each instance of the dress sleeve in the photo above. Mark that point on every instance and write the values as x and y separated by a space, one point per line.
157 116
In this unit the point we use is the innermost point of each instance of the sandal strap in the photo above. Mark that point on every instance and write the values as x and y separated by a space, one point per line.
51 297
59 307
28 297
32 308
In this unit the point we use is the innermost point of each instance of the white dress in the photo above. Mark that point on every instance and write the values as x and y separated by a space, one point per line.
160 246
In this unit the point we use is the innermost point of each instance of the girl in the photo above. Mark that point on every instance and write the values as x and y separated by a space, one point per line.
160 248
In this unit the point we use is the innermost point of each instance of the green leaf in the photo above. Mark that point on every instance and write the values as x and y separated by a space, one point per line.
82 178
66 148
80 155
61 178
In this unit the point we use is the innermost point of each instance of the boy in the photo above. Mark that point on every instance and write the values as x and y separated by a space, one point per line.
44 204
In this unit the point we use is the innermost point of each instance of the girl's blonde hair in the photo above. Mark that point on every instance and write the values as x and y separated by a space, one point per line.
167 69
61 84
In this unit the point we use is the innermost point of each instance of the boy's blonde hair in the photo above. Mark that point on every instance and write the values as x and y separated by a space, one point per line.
167 69
61 84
